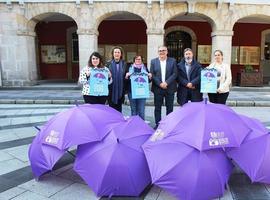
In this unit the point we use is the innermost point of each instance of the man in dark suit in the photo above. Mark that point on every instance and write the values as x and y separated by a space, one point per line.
189 76
164 74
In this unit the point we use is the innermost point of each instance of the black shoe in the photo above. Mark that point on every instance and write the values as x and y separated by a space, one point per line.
156 127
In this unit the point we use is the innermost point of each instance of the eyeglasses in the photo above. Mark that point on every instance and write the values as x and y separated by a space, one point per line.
138 59
162 50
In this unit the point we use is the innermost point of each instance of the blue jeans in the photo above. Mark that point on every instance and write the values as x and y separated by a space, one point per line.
137 106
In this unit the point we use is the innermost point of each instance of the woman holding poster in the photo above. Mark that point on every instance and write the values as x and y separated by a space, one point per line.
95 78
137 85
224 79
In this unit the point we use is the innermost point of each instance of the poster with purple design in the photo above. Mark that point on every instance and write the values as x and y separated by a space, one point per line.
139 86
209 81
99 82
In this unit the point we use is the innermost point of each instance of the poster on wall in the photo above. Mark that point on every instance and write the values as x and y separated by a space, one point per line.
53 54
204 54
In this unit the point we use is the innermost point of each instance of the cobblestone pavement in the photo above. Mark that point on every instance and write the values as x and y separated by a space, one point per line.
16 181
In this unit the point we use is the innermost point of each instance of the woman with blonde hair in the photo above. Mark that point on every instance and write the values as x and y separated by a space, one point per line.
224 79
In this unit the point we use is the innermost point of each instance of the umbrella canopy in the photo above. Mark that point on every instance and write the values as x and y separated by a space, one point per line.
206 126
253 156
186 172
116 165
78 125
43 157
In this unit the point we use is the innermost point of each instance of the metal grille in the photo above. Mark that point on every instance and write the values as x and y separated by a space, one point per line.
176 42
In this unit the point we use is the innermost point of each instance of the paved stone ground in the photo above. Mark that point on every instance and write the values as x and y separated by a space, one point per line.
16 181
55 93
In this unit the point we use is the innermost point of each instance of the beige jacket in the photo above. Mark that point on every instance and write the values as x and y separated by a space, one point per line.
225 76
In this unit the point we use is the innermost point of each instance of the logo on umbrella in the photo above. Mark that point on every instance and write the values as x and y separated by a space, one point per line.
53 137
217 138
158 135
99 75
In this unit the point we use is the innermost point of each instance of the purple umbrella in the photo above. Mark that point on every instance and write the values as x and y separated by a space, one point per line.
186 172
206 126
117 165
253 155
78 125
43 157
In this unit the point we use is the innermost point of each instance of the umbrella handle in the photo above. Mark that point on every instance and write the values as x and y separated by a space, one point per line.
36 127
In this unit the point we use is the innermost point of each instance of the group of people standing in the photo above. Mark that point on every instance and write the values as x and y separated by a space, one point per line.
167 78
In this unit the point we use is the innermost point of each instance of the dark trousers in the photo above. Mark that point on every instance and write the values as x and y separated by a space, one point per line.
95 99
158 102
117 106
220 98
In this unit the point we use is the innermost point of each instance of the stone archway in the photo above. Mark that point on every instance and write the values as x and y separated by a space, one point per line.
186 30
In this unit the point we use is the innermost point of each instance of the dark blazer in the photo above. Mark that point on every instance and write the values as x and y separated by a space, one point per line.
124 68
183 80
170 77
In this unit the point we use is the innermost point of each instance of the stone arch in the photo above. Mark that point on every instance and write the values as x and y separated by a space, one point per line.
202 12
187 30
243 11
103 11
35 11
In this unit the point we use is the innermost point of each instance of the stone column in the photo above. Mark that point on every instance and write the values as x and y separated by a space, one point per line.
18 58
155 38
222 40
88 42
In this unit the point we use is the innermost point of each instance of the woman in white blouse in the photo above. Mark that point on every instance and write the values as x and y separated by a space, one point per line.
95 62
224 78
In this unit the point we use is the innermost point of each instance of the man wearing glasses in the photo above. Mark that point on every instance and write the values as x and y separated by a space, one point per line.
164 73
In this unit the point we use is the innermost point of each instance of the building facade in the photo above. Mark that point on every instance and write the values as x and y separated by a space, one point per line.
50 39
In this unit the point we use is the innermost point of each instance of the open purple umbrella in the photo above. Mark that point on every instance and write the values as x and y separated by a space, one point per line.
253 155
117 165
206 126
78 125
186 172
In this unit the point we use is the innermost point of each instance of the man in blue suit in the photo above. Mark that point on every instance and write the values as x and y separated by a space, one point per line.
164 74
189 77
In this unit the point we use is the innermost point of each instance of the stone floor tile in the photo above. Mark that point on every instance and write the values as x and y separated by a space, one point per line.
153 193
75 191
20 152
4 156
11 193
165 196
47 186
13 164
62 169
70 174
30 196
5 121
20 120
